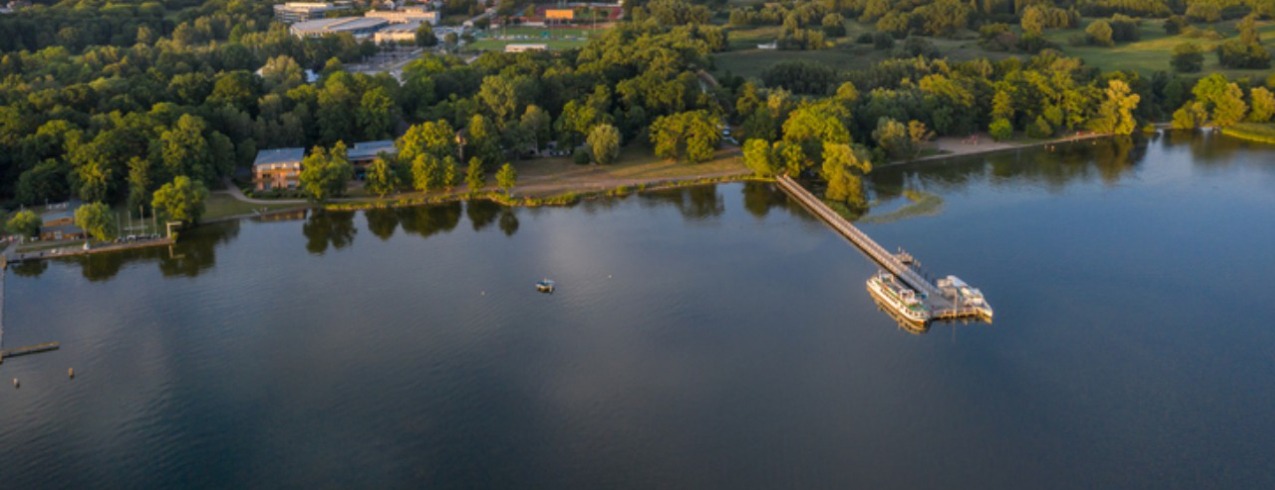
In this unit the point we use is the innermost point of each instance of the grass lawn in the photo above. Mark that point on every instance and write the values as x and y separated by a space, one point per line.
1147 56
1155 48
557 38
744 59
636 163
222 205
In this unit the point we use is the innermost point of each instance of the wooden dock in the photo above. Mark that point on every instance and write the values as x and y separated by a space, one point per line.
30 349
941 306
4 271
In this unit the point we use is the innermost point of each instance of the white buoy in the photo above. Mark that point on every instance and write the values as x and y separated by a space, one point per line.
70 373
15 382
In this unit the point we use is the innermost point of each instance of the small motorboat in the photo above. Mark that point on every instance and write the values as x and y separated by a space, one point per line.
545 286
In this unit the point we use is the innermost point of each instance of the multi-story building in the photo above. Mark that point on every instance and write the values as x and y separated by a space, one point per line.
279 168
293 12
397 33
360 27
406 15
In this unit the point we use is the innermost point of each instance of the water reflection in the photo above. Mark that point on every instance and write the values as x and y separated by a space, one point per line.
1053 166
381 222
482 213
695 203
508 221
190 256
426 221
324 228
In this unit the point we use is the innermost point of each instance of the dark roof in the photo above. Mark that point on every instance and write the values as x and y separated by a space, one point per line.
67 212
279 155
65 229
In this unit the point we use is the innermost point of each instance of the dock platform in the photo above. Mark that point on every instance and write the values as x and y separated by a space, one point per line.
943 304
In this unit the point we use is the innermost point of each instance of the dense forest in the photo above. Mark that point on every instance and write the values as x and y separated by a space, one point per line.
111 102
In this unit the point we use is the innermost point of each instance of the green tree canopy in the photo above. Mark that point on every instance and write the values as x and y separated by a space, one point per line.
96 220
507 177
324 173
381 178
180 200
604 143
24 223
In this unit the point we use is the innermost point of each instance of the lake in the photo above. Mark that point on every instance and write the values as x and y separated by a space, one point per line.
712 337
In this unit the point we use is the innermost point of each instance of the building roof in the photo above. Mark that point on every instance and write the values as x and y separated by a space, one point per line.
60 211
367 150
408 28
339 24
279 155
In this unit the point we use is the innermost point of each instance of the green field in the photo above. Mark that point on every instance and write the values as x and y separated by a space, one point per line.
1148 55
556 38
1153 51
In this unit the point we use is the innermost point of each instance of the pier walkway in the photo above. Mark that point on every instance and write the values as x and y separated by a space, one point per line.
942 307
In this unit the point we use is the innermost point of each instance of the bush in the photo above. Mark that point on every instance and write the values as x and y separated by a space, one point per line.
1001 129
1174 25
1187 58
882 40
581 156
865 38
1040 129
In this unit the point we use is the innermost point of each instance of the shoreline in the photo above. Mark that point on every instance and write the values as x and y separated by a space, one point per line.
959 150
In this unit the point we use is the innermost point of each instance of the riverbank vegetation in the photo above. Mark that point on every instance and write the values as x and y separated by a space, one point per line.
118 110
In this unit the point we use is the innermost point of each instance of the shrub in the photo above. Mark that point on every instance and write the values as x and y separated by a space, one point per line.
1001 129
1187 58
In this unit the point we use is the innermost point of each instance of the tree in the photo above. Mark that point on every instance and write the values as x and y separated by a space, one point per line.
893 137
186 152
381 178
376 114
1099 32
434 137
180 200
507 177
692 136
842 169
1187 58
758 158
1226 99
450 175
1190 116
537 124
1263 102
426 173
325 173
475 176
24 223
425 37
1115 114
604 143
96 220
1001 129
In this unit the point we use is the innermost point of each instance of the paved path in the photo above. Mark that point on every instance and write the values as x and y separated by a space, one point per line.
234 192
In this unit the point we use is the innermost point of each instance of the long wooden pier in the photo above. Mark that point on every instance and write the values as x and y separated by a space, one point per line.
942 306
30 349
4 271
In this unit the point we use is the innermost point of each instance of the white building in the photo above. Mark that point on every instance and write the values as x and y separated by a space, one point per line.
360 27
397 33
293 12
406 15
522 48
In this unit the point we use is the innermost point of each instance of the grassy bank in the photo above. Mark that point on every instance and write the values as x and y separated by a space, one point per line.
1261 133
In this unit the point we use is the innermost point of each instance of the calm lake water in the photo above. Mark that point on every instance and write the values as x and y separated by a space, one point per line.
714 337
